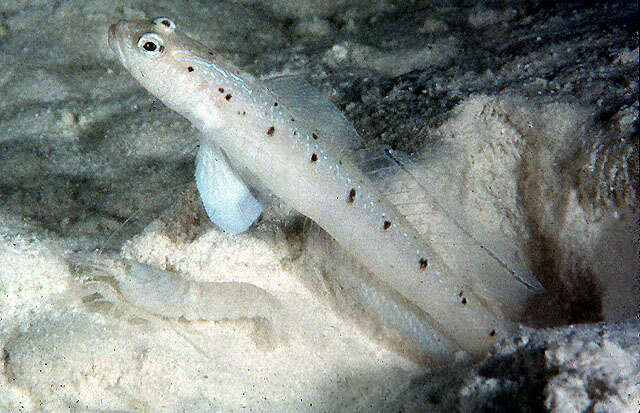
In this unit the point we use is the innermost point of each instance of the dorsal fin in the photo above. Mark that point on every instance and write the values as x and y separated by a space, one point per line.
314 110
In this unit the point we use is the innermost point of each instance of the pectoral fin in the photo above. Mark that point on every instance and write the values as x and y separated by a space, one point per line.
227 200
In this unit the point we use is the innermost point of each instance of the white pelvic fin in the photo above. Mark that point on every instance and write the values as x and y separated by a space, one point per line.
227 200
314 110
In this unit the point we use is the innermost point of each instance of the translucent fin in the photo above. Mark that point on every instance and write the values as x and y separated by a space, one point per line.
312 109
227 200
491 258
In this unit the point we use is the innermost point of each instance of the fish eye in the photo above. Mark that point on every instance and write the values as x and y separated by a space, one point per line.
164 23
151 44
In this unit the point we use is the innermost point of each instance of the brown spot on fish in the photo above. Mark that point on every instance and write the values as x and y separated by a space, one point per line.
352 196
190 69
271 130
228 97
314 136
464 301
386 225
492 333
275 103
221 90
293 120
314 157
423 263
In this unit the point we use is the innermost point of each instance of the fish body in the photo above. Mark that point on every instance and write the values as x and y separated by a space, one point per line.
267 138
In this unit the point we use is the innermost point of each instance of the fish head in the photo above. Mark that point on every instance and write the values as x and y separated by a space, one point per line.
165 61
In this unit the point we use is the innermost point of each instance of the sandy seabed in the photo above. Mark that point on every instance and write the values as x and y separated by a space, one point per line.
529 111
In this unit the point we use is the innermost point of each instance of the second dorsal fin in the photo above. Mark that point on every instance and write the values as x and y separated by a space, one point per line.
490 258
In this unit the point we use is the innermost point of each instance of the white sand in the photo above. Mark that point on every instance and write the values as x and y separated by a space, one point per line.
522 138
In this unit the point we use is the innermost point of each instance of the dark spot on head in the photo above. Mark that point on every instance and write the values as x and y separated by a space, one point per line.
352 196
190 68
464 301
423 263
166 23
293 120
228 97
339 161
275 103
294 133
210 53
314 136
460 294
271 130
314 157
221 90
492 333
386 224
